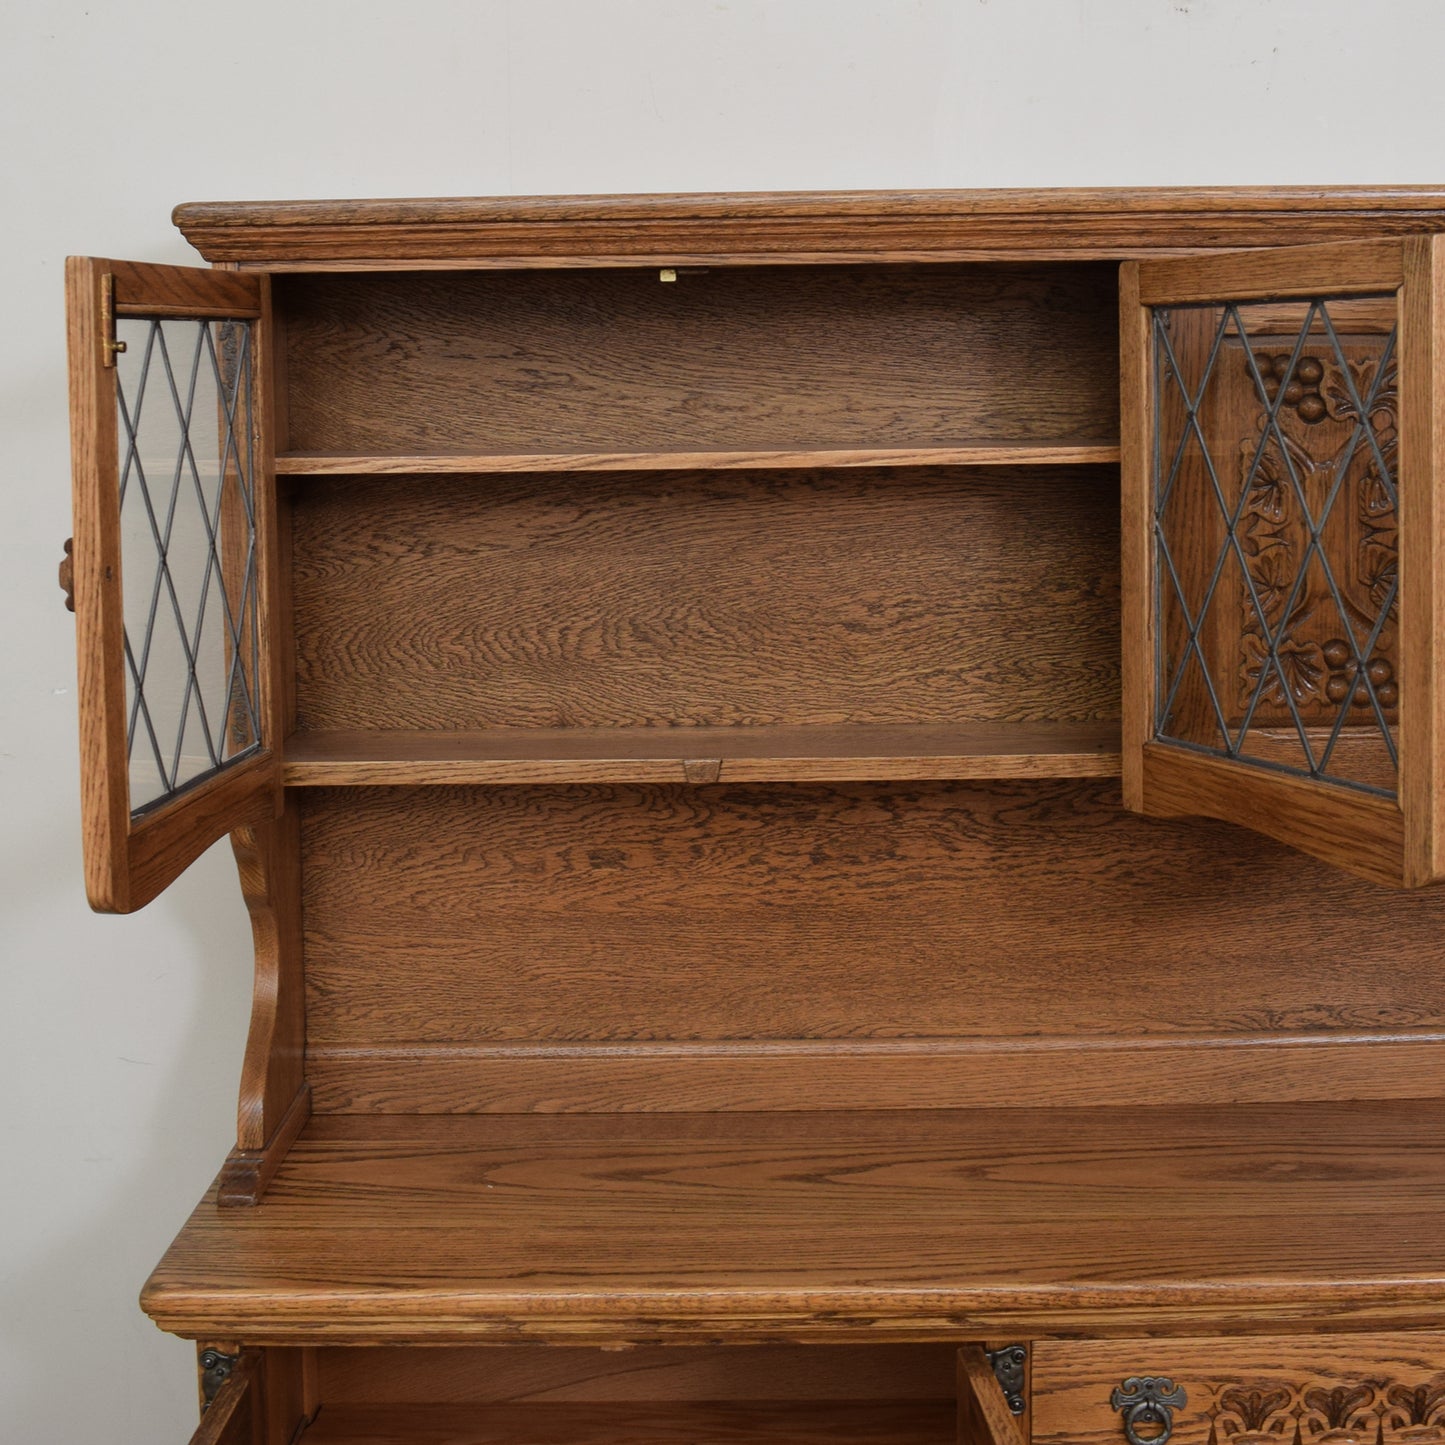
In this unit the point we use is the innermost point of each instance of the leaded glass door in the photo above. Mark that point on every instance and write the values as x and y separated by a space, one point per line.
173 520
1284 599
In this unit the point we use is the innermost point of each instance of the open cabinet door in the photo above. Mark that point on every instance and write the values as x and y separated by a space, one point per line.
171 567
1284 596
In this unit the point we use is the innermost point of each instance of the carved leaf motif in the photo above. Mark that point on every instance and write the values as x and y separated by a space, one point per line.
1301 667
1368 1412
1270 492
1290 473
1272 570
1420 1404
1255 1412
1340 405
1340 1407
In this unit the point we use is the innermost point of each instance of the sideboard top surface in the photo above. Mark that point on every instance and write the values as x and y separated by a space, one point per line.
764 227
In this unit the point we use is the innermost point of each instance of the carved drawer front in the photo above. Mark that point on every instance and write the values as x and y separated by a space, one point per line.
1294 1390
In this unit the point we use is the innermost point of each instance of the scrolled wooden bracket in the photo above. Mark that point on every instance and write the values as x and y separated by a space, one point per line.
67 574
247 1173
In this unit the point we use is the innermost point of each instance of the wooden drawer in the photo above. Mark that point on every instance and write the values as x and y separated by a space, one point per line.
1244 1390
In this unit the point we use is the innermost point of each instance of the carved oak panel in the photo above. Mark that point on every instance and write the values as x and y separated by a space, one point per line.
1304 1390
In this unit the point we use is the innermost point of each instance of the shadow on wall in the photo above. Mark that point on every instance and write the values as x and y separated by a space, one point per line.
100 1185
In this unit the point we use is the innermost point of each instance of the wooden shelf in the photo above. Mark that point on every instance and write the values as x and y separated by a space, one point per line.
960 454
703 755
895 1226
785 1422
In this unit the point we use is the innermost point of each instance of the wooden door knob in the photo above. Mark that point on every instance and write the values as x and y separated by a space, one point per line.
67 574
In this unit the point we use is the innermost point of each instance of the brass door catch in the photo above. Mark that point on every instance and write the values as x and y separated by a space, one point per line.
109 346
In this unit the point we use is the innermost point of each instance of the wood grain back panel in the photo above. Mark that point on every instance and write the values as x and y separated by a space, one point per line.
735 357
701 598
562 1374
716 1422
442 920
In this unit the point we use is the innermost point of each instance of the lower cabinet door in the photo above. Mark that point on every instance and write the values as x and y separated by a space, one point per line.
235 1415
1375 1389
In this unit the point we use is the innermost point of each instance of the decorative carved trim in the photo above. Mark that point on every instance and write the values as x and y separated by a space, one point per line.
1316 661
1366 1412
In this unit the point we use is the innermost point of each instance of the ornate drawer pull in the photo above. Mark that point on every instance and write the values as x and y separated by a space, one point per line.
1148 1403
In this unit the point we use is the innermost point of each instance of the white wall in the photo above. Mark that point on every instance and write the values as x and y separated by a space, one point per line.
120 1039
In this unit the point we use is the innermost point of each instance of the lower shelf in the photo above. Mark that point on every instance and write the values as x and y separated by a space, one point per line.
785 1422
824 1227
839 753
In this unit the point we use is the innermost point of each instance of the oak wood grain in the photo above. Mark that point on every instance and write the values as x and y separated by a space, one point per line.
980 454
162 844
268 859
131 859
1422 559
456 917
247 1173
145 289
904 1225
915 596
376 757
774 360
559 1374
584 567
816 1422
983 1413
1351 268
859 225
1360 832
1270 1378
99 603
1136 554
290 1401
913 1073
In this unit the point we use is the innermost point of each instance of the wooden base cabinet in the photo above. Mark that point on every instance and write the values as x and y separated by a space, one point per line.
837 795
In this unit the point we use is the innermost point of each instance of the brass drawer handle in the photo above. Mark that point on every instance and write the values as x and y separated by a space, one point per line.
1148 1403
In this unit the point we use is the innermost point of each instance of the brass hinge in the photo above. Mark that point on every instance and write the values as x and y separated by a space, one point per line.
215 1371
1008 1369
109 346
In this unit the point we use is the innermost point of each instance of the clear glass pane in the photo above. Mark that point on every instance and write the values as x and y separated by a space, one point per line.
1276 437
188 550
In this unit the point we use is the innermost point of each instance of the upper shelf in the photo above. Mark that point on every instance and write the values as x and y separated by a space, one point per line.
902 1225
959 454
840 753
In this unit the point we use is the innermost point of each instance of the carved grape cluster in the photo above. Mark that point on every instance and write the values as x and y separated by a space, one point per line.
1302 390
1344 677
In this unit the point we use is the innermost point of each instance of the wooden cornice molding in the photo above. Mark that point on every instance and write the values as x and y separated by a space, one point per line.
781 227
